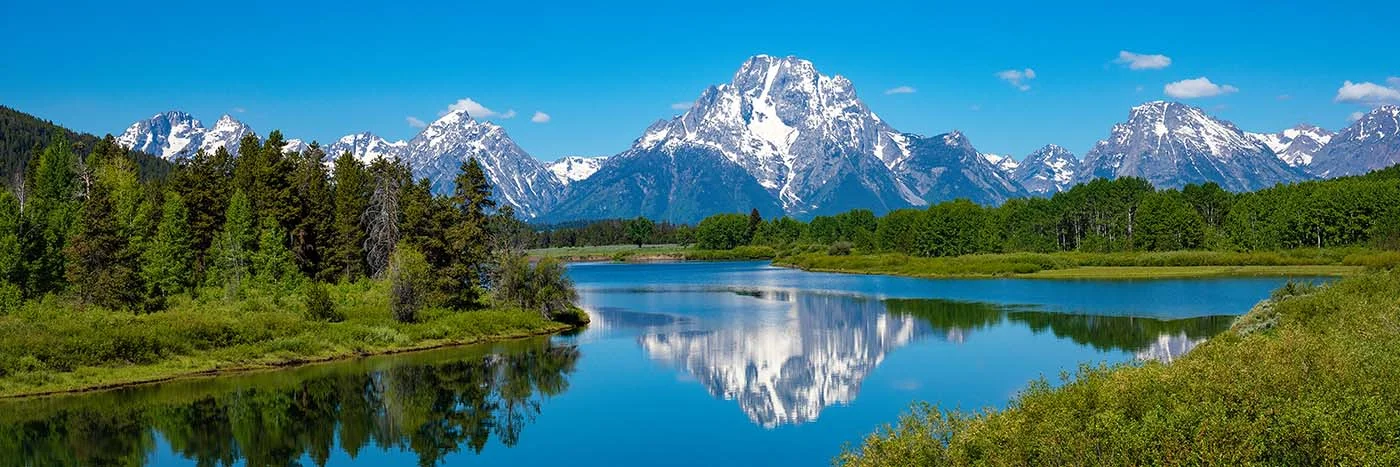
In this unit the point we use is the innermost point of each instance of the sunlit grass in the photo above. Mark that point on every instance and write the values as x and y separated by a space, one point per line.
54 345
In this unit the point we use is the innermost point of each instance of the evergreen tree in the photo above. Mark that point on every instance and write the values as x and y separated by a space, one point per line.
168 260
100 264
353 187
205 183
756 220
313 222
274 264
467 237
49 215
11 257
639 230
231 254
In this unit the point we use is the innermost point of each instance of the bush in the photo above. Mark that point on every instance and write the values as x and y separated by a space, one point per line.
544 287
839 249
408 283
319 306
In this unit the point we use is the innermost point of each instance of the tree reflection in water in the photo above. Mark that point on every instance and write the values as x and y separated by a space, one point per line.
430 405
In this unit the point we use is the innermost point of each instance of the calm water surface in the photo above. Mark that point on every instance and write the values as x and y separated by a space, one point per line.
685 364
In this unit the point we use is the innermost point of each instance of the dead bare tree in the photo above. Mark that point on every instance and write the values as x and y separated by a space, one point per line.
381 220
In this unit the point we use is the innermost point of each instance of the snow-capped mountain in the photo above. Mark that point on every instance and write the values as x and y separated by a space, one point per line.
1295 146
1004 163
946 167
1048 170
176 135
517 178
295 145
1372 142
366 147
1172 144
780 137
569 169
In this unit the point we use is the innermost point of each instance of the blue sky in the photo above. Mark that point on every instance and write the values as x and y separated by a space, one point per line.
603 73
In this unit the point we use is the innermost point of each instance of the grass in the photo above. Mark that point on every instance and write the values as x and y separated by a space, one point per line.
631 253
1129 265
1307 378
54 345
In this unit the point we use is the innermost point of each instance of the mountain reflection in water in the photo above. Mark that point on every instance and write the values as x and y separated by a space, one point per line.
786 369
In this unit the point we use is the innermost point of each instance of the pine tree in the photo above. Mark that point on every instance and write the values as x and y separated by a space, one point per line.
353 187
11 258
100 264
467 238
274 263
231 254
312 231
49 213
204 182
168 259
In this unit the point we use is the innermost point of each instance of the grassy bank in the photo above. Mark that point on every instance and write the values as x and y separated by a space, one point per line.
1307 378
55 346
1131 265
632 253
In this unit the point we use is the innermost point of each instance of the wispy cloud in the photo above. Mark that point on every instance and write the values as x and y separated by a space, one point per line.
1018 78
415 122
1369 93
680 106
1137 61
540 117
900 90
475 109
239 110
1355 116
1195 88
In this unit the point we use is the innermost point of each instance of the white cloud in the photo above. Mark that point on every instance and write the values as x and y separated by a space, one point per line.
1393 81
1199 87
1138 88
1136 61
1018 78
475 109
1355 116
415 122
1368 92
540 117
241 110
680 106
900 90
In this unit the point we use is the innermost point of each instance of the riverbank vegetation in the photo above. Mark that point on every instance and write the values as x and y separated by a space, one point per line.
1306 378
267 258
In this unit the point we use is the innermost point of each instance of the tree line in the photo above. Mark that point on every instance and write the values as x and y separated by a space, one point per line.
1125 214
87 226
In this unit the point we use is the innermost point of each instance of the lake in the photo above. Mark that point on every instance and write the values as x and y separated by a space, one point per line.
737 363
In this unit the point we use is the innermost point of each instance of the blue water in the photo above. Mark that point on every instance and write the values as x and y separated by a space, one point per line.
685 364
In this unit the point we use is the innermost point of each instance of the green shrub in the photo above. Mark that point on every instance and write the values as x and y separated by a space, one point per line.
408 283
319 306
842 248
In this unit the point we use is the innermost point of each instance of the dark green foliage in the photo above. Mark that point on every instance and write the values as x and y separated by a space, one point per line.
352 188
204 181
22 137
312 221
101 266
319 305
468 245
722 231
543 287
639 230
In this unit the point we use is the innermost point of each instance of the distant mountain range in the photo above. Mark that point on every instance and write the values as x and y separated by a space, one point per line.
787 140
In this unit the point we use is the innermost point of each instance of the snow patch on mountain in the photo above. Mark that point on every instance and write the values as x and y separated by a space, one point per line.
1295 146
1371 142
176 135
569 169
1048 170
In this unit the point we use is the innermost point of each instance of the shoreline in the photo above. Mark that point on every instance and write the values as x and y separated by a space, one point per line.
1124 273
281 364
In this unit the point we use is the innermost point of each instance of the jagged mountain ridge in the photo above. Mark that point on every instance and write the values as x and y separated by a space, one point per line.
1049 170
175 135
1172 144
1371 142
1295 146
804 142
